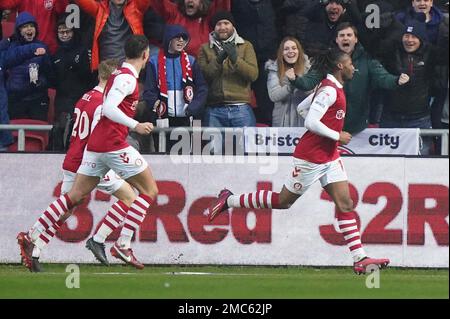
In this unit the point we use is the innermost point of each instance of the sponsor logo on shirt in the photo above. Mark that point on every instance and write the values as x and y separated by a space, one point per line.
340 114
48 4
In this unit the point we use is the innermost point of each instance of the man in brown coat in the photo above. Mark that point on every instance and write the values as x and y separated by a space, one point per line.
229 65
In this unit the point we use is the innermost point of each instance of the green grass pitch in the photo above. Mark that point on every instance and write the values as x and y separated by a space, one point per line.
220 282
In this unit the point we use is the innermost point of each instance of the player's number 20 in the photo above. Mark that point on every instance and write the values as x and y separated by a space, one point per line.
81 126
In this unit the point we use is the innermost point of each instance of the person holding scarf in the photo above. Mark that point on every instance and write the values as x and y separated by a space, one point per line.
174 87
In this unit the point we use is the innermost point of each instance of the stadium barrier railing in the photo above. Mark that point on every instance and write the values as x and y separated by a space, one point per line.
162 132
21 128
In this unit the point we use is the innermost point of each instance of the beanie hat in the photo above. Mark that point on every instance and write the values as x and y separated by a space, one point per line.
418 29
222 15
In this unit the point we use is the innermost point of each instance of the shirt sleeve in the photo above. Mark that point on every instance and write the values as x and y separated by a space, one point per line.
96 117
123 86
325 98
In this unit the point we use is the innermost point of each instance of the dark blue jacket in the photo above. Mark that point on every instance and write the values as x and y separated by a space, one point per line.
409 14
174 79
18 83
9 58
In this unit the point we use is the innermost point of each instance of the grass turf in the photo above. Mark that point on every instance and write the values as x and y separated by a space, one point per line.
220 282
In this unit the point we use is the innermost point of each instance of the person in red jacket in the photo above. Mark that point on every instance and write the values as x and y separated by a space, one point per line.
115 22
46 13
193 15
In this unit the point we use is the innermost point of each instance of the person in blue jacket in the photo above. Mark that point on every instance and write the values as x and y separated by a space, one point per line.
175 88
27 82
9 58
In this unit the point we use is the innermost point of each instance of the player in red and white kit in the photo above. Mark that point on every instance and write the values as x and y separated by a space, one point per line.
108 149
87 112
316 157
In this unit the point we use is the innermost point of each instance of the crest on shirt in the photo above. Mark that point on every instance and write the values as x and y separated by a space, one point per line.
340 114
134 105
48 4
161 109
188 94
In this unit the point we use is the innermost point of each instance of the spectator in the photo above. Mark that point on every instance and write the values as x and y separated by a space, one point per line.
409 106
255 20
433 20
369 75
324 18
116 21
174 86
27 83
46 14
229 65
154 26
194 15
10 58
72 78
444 118
285 96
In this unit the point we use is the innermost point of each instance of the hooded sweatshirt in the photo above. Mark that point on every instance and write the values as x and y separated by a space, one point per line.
46 13
177 106
18 83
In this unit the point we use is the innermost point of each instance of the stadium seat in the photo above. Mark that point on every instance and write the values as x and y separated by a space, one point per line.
51 105
8 28
35 141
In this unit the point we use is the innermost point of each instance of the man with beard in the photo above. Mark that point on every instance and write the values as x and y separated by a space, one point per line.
194 15
369 75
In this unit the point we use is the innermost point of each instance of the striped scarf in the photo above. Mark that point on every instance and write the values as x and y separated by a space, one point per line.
188 83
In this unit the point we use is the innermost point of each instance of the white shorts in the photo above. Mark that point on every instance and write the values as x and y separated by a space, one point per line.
109 184
304 174
126 163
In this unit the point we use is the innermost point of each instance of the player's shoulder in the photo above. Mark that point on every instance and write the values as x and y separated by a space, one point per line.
90 100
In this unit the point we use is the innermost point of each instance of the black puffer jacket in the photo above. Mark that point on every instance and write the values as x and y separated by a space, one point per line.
72 75
412 99
255 22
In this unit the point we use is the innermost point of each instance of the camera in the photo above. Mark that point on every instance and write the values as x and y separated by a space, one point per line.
342 2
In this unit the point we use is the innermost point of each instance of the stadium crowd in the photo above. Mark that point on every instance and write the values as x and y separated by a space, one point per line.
229 63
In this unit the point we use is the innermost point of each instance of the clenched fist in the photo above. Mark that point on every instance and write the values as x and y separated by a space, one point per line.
403 79
344 138
291 74
144 128
40 51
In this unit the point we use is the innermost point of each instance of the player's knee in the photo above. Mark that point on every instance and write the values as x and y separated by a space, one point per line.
346 205
151 192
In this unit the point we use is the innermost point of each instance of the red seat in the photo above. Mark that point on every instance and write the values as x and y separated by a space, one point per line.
35 141
7 28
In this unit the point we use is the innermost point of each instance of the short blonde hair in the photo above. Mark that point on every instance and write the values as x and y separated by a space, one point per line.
106 68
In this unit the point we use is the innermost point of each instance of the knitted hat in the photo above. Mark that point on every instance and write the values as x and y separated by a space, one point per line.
222 15
418 29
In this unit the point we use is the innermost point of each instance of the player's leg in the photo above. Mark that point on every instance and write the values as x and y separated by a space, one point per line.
46 227
145 184
115 216
303 175
262 199
336 185
132 167
85 181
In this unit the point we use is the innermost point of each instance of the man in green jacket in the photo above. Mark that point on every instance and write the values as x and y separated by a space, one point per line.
229 65
369 75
